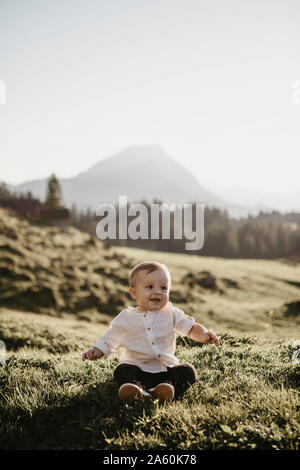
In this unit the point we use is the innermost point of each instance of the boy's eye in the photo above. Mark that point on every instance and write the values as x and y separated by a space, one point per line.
150 286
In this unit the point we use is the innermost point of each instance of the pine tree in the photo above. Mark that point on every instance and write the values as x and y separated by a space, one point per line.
53 196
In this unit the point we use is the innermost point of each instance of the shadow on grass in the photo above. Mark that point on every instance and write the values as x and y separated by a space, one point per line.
91 420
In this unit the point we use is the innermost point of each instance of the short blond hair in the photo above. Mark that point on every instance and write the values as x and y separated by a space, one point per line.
148 266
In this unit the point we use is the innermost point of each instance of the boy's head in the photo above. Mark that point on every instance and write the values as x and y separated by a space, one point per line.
150 284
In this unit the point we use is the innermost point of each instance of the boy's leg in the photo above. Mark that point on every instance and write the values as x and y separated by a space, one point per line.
182 377
125 373
131 382
128 373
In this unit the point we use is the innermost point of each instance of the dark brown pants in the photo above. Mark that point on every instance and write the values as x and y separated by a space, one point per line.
182 376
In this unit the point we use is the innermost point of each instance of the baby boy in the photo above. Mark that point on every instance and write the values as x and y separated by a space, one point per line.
148 366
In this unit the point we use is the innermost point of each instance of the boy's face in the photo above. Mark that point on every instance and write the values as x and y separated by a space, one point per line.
151 290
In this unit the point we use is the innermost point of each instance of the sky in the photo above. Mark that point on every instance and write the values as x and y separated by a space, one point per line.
216 83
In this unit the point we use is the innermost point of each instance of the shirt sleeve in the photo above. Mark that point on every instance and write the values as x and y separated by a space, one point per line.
182 323
111 341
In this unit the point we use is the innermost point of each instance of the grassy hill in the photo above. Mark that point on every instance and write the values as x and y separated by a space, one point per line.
245 398
247 392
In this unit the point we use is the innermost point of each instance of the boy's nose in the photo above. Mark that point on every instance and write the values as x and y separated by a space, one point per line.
157 291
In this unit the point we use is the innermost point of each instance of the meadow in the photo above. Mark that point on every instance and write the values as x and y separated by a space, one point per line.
247 392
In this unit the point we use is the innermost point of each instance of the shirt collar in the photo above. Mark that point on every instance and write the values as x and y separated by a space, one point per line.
130 308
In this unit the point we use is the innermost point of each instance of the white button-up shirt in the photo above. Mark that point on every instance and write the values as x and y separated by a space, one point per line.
148 338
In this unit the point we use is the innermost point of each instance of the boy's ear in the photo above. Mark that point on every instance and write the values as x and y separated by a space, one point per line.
132 292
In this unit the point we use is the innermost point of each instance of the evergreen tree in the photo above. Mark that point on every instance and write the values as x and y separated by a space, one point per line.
53 195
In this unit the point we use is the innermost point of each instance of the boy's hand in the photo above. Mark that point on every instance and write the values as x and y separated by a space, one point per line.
201 334
92 354
212 338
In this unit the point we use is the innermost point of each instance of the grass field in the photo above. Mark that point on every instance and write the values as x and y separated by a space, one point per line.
246 395
251 295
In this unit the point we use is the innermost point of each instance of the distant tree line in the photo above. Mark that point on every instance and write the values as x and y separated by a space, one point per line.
268 235
5 193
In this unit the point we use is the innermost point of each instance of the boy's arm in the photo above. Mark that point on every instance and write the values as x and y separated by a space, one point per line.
108 343
202 335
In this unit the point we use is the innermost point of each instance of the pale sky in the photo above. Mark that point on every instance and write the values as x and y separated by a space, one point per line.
216 83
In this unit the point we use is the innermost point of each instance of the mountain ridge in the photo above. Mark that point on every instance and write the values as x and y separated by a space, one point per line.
141 173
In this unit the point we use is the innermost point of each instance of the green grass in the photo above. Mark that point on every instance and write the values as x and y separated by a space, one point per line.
246 395
247 392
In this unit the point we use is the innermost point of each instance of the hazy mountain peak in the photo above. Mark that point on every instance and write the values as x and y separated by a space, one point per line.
131 157
152 150
142 172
